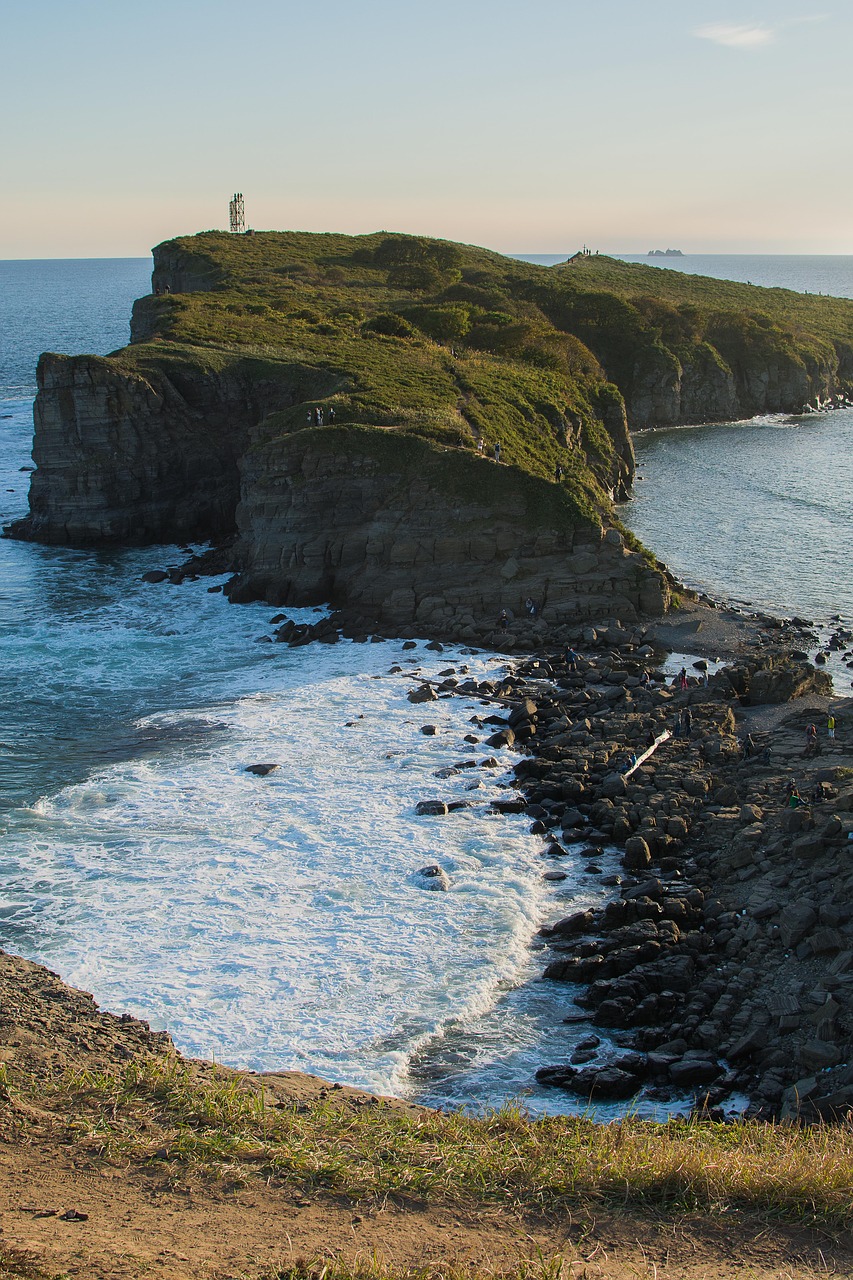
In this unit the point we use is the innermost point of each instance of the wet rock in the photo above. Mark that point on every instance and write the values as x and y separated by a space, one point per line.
517 805
431 808
155 575
260 770
425 693
434 877
595 1083
638 855
691 1071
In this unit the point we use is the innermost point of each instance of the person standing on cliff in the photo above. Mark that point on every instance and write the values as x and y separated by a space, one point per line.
497 451
558 473
830 727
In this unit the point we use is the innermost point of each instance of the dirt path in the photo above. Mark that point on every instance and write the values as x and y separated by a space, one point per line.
139 1225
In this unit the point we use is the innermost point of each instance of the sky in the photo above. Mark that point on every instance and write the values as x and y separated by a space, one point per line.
529 128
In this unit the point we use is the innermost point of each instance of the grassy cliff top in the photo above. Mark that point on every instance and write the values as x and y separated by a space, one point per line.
462 346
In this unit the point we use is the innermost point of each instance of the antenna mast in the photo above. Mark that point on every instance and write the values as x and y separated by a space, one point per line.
237 214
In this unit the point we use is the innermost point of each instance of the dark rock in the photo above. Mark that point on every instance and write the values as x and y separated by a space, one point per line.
637 854
260 770
694 1071
425 693
431 808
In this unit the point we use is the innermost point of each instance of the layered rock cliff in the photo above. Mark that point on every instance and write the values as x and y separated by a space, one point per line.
390 529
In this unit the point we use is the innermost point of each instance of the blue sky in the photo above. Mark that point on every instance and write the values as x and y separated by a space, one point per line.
536 127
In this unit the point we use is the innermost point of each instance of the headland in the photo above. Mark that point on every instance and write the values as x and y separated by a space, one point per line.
469 430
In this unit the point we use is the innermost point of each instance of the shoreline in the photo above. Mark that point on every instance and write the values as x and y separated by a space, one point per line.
615 711
150 1203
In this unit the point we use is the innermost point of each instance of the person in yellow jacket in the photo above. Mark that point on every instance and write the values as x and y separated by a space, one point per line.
830 726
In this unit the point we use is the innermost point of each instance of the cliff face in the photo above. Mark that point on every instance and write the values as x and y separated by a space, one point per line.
384 526
126 457
705 387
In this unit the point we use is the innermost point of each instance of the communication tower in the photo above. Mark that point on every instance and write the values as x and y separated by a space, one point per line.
237 214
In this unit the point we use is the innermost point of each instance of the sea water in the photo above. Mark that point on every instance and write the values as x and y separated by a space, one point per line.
279 922
271 922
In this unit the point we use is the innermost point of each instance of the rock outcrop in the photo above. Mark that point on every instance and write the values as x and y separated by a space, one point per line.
143 455
383 525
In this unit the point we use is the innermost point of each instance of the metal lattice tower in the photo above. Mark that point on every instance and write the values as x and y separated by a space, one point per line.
237 214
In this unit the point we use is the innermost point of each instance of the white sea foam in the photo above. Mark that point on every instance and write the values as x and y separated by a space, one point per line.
276 921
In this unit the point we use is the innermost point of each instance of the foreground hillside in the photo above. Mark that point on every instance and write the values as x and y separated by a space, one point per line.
119 1159
421 432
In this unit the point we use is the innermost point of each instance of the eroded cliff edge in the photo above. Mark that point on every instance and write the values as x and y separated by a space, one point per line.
388 527
424 432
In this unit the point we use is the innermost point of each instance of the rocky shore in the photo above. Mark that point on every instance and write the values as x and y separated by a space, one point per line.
722 967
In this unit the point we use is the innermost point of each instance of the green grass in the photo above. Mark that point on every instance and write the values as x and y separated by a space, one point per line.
224 1123
457 345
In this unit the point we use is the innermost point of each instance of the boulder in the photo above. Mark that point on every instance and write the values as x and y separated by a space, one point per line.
431 808
794 923
637 856
434 877
590 1082
261 770
613 785
425 693
689 1071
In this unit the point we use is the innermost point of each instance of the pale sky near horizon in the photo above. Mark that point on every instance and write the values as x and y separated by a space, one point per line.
528 128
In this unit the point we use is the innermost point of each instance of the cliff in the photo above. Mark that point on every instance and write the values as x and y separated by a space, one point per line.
402 534
418 429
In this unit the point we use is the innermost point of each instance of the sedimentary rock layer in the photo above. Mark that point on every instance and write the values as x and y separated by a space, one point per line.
385 525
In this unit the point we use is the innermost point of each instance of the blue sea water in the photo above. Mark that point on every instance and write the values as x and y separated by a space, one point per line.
804 273
276 922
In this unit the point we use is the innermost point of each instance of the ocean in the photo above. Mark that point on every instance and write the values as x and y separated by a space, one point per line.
278 922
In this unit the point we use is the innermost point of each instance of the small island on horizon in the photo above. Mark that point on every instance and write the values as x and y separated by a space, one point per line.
665 253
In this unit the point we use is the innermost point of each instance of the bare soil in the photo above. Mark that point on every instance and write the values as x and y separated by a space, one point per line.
67 1211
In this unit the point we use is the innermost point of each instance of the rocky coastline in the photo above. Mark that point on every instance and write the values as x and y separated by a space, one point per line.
722 965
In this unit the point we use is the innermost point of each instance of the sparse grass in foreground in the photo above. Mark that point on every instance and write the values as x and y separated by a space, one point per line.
225 1125
372 1268
15 1265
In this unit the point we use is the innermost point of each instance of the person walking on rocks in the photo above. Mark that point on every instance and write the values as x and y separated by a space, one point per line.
830 727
